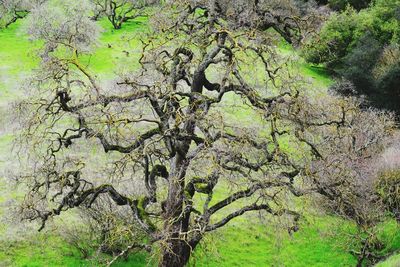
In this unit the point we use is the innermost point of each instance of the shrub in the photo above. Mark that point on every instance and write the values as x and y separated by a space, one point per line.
358 64
335 39
343 87
389 190
387 75
388 185
342 4
363 48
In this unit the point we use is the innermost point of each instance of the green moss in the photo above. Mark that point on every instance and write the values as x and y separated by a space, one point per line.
202 188
142 212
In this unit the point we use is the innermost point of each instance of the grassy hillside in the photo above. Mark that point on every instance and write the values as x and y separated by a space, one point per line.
393 261
249 241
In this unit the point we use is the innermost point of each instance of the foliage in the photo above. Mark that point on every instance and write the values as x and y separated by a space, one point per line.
335 39
343 4
343 31
359 63
353 46
354 196
387 75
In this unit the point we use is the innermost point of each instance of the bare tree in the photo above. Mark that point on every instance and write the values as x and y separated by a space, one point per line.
120 11
292 19
172 151
13 10
347 178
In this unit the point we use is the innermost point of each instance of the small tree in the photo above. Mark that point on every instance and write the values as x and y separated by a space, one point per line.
347 181
164 141
388 183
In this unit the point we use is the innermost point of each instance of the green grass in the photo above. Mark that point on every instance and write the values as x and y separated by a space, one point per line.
393 261
258 244
390 235
316 74
17 60
117 48
42 251
244 242
52 251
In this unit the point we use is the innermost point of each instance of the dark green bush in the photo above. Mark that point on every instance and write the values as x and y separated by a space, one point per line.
359 63
388 86
352 45
342 4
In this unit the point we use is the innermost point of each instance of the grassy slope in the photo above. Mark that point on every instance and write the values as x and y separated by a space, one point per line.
393 261
260 245
239 244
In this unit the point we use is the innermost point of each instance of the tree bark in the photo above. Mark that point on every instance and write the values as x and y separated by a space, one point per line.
176 250
176 254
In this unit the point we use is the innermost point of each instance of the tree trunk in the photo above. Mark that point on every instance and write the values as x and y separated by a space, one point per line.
176 254
177 248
